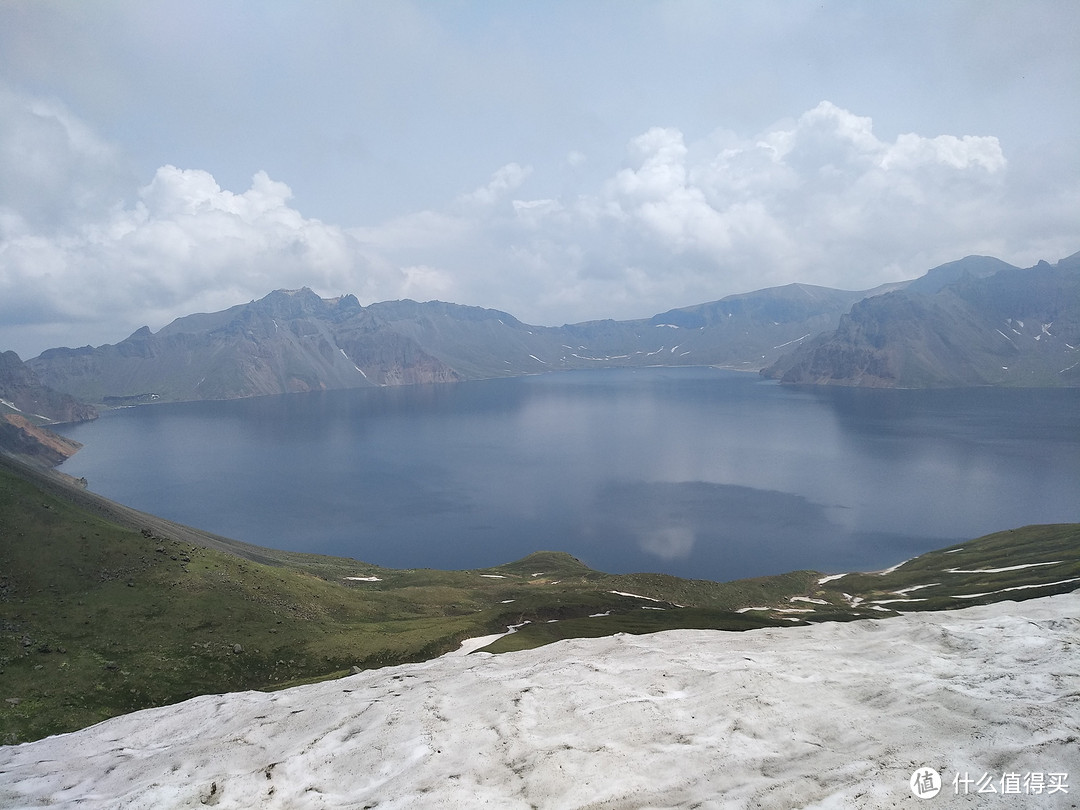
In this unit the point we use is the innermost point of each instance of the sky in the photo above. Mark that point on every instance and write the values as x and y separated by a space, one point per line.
561 161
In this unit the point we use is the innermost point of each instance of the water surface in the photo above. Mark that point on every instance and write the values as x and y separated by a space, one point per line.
697 472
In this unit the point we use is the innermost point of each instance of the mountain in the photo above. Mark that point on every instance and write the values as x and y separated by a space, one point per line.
293 340
976 321
937 278
286 342
971 323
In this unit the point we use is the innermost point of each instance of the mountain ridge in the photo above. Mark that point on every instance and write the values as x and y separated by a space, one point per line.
293 340
951 327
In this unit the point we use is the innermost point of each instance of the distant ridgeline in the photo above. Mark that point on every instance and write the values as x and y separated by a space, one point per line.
977 321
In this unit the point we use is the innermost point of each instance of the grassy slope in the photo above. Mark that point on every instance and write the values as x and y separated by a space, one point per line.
104 610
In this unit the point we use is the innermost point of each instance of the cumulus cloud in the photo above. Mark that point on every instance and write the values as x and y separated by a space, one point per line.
826 201
822 193
187 238
820 198
77 258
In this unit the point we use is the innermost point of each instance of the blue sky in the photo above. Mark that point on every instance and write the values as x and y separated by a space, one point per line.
562 161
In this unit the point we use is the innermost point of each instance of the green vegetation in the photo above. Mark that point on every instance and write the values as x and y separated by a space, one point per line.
104 610
1016 564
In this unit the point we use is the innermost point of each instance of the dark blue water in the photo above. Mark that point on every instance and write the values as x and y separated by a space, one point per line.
696 472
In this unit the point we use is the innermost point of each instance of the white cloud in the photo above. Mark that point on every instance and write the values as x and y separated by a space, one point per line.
73 251
821 200
505 180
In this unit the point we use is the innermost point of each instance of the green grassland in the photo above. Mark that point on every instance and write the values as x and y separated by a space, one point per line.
104 610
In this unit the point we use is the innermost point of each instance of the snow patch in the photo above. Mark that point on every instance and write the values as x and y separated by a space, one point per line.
1016 588
639 596
890 570
904 591
999 570
836 714
830 578
782 345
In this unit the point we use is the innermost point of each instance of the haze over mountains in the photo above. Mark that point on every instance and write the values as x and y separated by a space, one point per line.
976 321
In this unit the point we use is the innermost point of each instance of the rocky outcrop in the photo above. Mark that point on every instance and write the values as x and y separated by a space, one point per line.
20 437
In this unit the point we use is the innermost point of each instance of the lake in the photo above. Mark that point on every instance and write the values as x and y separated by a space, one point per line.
697 472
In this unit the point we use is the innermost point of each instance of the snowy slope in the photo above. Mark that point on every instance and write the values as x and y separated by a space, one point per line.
832 715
